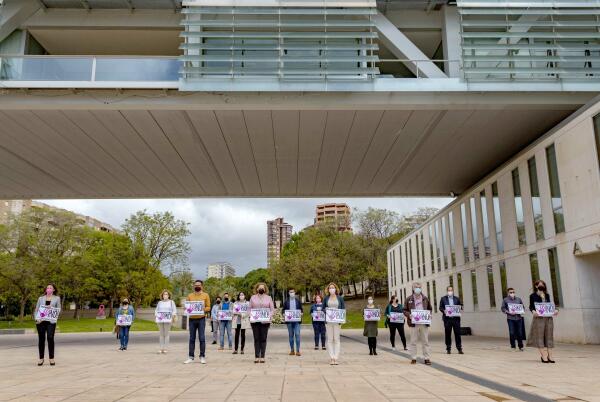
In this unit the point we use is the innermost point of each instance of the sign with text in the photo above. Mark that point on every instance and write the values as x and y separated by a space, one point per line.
545 309
124 320
292 315
224 315
260 315
193 308
318 315
163 317
47 313
516 308
335 315
241 307
396 317
452 311
372 314
420 317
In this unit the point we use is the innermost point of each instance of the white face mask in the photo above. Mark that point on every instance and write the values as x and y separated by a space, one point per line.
292 294
370 301
242 297
417 291
332 291
450 293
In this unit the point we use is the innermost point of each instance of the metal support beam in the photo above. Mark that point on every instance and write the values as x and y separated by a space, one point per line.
451 40
403 48
13 13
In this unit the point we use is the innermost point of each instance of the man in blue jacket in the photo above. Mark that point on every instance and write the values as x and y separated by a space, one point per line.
451 323
293 303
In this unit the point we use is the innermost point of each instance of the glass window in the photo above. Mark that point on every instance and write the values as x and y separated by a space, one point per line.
422 243
474 289
418 256
452 242
459 283
534 267
444 251
429 291
451 281
518 206
497 217
435 307
555 276
394 266
401 266
410 260
503 280
557 210
474 228
490 276
406 256
431 249
404 293
536 201
438 244
465 239
391 265
485 223
597 132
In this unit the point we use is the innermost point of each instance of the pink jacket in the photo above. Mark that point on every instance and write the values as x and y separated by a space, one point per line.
264 301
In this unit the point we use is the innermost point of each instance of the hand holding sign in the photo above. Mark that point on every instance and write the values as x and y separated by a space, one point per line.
292 315
545 309
335 315
318 315
420 317
47 313
193 308
452 311
224 315
260 315
124 320
372 314
515 308
396 317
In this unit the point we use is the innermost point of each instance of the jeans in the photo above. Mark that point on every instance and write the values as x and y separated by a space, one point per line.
333 340
515 331
294 334
397 326
239 331
319 329
216 327
197 325
225 326
419 334
124 336
452 324
163 337
260 332
45 332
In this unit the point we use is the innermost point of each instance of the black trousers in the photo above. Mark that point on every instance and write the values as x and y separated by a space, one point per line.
452 324
372 341
397 326
260 332
239 331
320 332
45 331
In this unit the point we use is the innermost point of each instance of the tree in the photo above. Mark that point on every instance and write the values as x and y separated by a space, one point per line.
377 223
181 282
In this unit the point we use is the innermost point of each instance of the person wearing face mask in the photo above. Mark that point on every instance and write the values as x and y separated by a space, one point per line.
418 333
542 328
46 329
395 307
451 323
260 330
225 325
333 300
293 303
370 330
241 321
515 321
124 309
318 326
197 323
165 305
215 320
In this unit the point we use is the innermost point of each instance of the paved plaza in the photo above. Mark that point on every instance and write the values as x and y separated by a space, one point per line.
90 368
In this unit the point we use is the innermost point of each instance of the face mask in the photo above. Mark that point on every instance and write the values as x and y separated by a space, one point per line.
49 291
226 299
261 291
450 293
318 301
292 294
218 301
541 288
370 301
198 288
512 295
242 297
332 291
125 305
417 291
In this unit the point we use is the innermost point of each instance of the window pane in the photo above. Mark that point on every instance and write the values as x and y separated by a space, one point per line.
463 219
474 289
536 201
429 292
534 267
518 206
410 252
444 251
597 131
435 307
490 275
497 218
485 224
555 276
431 249
452 242
451 281
438 245
474 227
422 243
503 280
557 210
401 266
459 281
418 256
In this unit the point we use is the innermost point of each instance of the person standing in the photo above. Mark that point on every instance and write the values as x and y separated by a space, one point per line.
46 329
225 325
370 330
542 328
197 323
241 319
215 320
260 330
124 309
318 326
419 333
451 323
514 320
333 300
165 305
395 307
293 303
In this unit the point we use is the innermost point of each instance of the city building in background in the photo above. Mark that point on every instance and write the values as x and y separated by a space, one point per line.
278 234
336 215
219 270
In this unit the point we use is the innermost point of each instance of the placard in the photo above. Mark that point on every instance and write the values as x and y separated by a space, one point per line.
516 308
193 308
335 315
292 315
224 315
124 320
396 317
318 315
163 317
372 314
260 315
239 307
47 313
420 317
545 309
452 311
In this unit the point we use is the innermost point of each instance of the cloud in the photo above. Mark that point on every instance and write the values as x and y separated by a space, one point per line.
233 229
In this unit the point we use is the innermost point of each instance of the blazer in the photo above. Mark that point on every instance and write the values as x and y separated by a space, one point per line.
342 305
54 302
535 298
409 304
444 301
286 306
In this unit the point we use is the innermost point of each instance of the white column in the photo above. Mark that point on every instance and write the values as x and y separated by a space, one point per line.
451 40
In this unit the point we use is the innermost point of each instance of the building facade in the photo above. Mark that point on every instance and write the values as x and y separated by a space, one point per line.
219 270
278 234
535 217
337 215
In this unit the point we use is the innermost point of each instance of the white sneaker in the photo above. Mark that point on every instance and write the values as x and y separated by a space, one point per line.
202 360
188 361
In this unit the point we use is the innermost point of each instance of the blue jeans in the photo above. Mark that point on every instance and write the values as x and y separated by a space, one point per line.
294 332
225 326
124 336
515 331
197 325
320 331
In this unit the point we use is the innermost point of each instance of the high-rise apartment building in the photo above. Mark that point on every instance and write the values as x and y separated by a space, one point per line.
278 234
337 215
219 270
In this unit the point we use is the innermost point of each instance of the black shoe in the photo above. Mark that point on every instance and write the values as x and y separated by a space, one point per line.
54 364
370 353
375 352
323 348
235 352
316 348
448 351
242 352
460 352
214 342
413 362
41 362
521 349
544 361
405 348
548 361
427 362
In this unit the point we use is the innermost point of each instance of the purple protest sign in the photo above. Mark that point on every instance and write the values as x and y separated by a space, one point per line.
335 315
516 308
545 309
396 317
372 314
47 313
193 308
292 315
163 317
420 317
260 315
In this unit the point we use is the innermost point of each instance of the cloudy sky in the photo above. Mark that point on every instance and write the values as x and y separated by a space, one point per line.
233 229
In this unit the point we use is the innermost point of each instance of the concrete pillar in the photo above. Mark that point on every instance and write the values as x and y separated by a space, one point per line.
451 40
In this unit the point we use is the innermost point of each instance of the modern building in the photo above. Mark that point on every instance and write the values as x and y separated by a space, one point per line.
278 234
337 215
537 216
219 270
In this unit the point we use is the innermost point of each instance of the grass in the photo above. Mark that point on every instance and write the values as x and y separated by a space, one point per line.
66 325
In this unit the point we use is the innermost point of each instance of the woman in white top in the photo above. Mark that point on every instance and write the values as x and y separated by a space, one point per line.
167 307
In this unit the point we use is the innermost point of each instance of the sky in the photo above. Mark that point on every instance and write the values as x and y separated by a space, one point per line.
233 229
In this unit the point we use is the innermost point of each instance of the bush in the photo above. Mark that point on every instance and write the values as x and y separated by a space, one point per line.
277 316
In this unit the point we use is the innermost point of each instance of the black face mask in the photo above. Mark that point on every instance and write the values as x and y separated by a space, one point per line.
125 304
541 288
261 291
218 301
226 299
197 288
